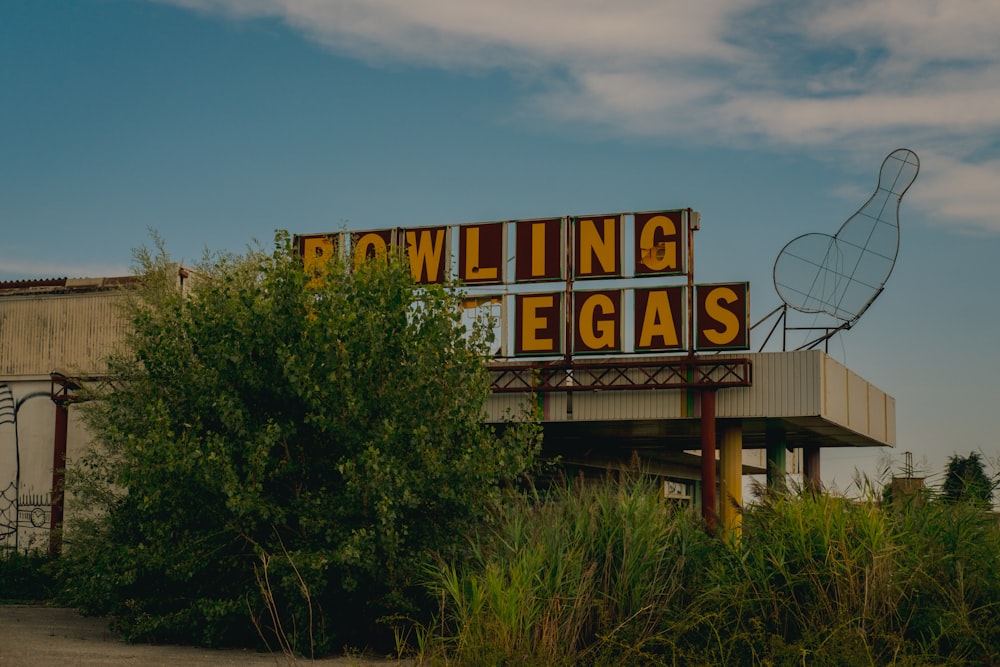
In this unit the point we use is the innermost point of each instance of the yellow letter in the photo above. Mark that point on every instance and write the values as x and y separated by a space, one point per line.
425 250
531 323
606 327
473 270
316 252
728 319
538 249
662 255
601 245
658 321
369 242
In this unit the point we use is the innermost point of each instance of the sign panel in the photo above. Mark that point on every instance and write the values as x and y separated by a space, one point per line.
316 250
539 245
371 245
659 319
659 244
480 253
663 318
427 250
597 322
597 246
538 324
723 313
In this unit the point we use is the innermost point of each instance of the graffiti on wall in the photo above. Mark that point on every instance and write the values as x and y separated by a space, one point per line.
24 509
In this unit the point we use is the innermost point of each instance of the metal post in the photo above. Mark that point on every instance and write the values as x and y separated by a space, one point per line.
58 479
708 493
777 460
731 478
810 468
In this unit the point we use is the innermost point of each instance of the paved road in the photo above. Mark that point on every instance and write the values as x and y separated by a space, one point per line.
57 637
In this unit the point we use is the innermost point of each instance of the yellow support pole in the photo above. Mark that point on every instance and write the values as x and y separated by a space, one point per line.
731 478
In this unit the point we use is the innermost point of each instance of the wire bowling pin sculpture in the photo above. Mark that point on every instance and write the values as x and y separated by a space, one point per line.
841 275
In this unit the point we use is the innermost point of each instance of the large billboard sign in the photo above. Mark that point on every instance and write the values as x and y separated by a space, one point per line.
581 285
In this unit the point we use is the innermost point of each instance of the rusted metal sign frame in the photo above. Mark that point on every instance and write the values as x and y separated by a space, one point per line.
619 374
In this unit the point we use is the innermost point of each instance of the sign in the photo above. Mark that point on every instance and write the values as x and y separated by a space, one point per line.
609 269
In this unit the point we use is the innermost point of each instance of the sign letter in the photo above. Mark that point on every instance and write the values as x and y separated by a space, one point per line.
658 243
598 241
658 318
597 322
480 252
537 320
425 248
722 316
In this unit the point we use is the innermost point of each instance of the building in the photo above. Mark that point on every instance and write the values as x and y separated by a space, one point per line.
53 332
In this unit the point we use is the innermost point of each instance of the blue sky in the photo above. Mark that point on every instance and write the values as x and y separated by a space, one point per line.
215 122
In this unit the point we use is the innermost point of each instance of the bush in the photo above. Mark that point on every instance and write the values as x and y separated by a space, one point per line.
26 577
284 454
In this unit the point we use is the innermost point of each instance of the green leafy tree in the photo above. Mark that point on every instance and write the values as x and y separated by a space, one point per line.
285 453
965 479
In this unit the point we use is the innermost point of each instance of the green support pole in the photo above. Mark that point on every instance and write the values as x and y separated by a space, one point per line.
777 451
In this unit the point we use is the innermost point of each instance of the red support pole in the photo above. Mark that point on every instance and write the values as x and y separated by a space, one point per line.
811 468
58 479
708 495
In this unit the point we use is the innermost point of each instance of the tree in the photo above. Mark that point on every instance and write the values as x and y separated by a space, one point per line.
966 480
287 453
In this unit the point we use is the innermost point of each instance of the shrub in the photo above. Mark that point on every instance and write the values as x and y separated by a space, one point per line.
26 577
317 436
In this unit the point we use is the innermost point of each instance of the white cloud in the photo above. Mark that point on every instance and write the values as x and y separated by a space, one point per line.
478 33
962 193
829 77
919 31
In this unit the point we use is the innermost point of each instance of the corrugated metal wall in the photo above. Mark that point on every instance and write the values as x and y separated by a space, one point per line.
785 384
69 332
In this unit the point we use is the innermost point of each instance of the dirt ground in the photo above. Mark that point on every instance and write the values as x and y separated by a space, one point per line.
52 636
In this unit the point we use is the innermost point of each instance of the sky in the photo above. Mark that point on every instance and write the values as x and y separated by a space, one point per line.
212 123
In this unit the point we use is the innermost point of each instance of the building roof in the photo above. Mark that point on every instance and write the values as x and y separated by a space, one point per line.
61 285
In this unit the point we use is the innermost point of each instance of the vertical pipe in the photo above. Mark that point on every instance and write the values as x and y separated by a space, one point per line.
569 255
708 494
58 479
731 478
690 283
810 468
777 460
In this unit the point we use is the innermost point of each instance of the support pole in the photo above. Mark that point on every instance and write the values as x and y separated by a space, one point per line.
731 478
58 479
777 459
810 468
708 493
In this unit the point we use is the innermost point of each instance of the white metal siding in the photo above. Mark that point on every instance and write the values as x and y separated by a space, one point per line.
852 401
835 403
785 384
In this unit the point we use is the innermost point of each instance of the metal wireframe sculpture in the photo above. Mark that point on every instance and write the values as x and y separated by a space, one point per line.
841 275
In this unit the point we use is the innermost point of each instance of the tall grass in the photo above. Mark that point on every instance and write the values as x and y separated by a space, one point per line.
583 574
816 577
610 574
835 581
